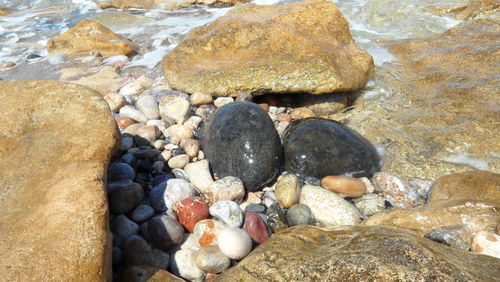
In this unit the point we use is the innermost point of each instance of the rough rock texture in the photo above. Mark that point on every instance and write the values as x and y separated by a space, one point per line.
306 253
438 101
87 36
56 140
299 47
474 9
240 140
471 199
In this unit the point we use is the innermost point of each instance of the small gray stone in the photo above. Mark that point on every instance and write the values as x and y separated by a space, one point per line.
369 204
129 159
228 212
299 214
127 143
144 227
148 106
122 228
156 198
210 259
142 213
454 236
256 208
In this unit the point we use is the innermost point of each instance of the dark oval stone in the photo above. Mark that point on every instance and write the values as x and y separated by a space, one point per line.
320 147
165 232
240 140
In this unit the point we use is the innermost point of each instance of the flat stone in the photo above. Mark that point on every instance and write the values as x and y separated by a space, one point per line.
198 99
210 259
240 140
306 253
179 161
56 140
320 147
351 187
256 58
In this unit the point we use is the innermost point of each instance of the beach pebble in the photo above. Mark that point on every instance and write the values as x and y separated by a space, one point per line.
423 187
190 211
177 190
182 264
139 252
159 144
455 236
179 161
115 101
193 122
370 204
299 214
57 58
146 153
210 259
158 166
165 156
165 232
351 187
276 218
191 147
189 242
228 188
281 126
147 135
198 99
124 122
395 190
234 242
257 208
254 197
129 159
268 202
131 129
148 106
131 88
368 184
122 228
180 173
156 198
127 143
256 227
179 131
199 174
124 198
117 256
486 243
228 212
174 107
142 213
144 227
206 232
300 113
221 101
287 191
329 209
283 117
204 111
131 112
120 171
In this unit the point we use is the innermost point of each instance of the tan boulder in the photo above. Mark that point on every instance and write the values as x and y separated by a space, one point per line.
438 111
358 253
56 140
469 199
87 36
473 9
300 47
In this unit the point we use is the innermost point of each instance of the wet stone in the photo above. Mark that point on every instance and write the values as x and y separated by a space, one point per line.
276 218
320 147
240 140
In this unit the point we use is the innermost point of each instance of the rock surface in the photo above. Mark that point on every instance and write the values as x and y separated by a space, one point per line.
53 160
87 36
299 47
360 253
240 140
320 147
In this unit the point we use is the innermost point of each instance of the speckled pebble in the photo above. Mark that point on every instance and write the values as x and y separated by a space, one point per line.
299 214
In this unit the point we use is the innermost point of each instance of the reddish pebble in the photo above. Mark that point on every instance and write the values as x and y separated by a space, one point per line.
256 227
124 122
191 210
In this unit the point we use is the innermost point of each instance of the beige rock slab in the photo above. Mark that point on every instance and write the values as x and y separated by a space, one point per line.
56 140
300 47
358 253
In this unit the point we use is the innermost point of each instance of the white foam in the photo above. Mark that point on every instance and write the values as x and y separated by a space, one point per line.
464 158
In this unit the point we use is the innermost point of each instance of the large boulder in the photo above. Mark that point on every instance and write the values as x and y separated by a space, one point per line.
56 140
87 36
359 253
299 47
470 200
436 114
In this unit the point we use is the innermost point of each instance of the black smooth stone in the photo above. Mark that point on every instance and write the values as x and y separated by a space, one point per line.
240 140
319 147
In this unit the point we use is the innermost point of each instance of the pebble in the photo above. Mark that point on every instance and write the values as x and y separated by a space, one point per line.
257 208
228 212
173 107
131 112
300 113
57 58
395 190
423 187
146 153
189 243
165 232
147 135
131 129
142 213
144 227
254 197
131 88
156 198
165 156
256 227
176 191
221 101
486 243
117 256
264 106
124 122
268 202
199 174
127 143
190 211
235 243
148 106
129 159
370 204
211 260
368 184
299 214
204 111
115 101
160 178
329 209
191 147
228 188
158 166
139 252
454 236
287 190
159 144
180 173
193 122
206 232
281 126
244 96
120 171
179 131
350 187
276 218
312 181
124 198
122 228
283 117
183 265
179 161
198 99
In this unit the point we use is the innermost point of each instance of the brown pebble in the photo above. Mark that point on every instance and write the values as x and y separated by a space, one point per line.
351 187
125 122
284 117
191 147
264 106
300 113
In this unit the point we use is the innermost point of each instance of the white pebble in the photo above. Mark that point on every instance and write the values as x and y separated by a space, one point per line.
183 265
221 101
177 190
234 242
199 174
129 111
228 212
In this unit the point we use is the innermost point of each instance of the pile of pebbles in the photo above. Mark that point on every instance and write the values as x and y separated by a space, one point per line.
167 211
